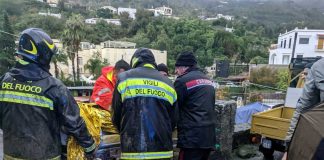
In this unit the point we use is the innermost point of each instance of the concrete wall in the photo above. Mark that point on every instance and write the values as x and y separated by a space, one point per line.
111 54
115 54
85 55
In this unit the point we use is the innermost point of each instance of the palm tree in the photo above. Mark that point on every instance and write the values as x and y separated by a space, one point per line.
60 57
72 36
95 64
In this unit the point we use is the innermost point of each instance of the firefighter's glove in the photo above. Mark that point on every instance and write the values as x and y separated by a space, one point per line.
91 155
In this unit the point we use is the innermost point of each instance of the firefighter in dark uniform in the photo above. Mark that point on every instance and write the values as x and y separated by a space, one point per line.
196 99
144 106
35 107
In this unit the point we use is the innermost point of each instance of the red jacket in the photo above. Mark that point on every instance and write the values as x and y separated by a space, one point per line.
104 88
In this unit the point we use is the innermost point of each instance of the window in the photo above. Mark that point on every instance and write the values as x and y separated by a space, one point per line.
80 70
281 44
320 44
285 59
290 43
273 59
80 61
303 40
285 43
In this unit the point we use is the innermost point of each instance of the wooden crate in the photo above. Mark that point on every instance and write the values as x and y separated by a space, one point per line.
273 123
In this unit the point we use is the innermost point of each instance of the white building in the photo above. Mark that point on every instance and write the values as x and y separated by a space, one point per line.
87 46
109 21
231 30
112 9
112 51
130 11
164 11
161 11
113 21
52 3
219 16
117 44
309 43
227 17
50 14
91 21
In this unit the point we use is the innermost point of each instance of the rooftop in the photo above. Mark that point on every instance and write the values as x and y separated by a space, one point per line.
118 44
301 30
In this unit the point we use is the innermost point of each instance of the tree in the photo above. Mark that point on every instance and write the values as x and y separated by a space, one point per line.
143 18
104 13
7 45
60 5
71 38
220 22
11 7
141 40
151 32
227 42
51 25
163 42
259 60
59 57
283 79
95 64
125 20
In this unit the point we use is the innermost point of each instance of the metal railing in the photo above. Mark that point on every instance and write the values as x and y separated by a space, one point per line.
239 91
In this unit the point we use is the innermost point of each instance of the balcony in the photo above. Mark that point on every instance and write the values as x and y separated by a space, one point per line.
319 48
274 46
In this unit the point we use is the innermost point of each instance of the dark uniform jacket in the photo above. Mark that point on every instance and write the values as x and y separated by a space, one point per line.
196 100
34 108
144 105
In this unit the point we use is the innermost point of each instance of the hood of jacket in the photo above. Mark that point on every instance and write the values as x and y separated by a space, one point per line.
141 57
108 72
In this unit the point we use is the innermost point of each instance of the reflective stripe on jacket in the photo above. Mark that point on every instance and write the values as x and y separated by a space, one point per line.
144 107
34 109
196 101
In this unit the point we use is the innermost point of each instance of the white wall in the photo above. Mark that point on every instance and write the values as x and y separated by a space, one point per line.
130 11
279 55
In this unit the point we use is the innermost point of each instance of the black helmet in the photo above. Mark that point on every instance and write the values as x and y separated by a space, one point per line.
36 46
143 56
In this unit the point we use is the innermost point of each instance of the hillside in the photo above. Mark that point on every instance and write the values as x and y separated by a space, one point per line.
272 13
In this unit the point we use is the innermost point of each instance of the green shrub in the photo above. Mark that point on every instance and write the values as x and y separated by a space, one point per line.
282 79
264 76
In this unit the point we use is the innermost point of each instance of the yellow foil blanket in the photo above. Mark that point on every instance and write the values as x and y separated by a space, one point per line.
96 120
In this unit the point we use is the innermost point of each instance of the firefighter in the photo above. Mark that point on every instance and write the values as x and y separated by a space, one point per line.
163 69
196 100
35 107
105 84
144 105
